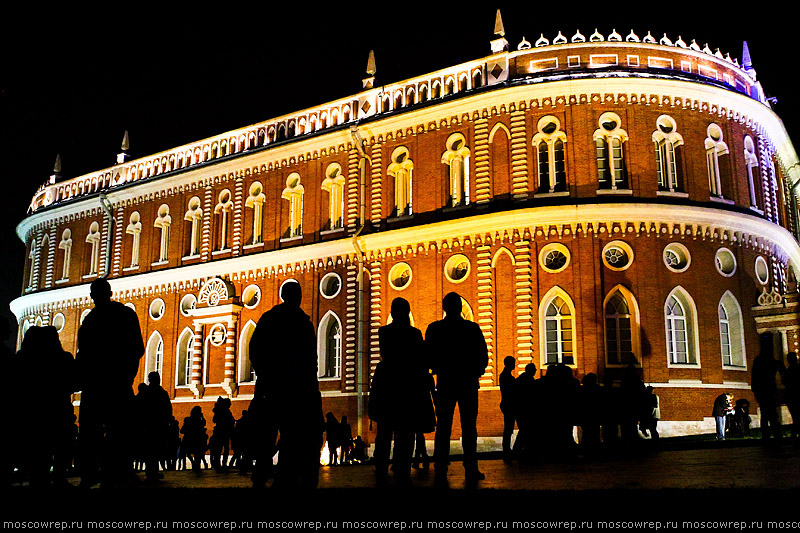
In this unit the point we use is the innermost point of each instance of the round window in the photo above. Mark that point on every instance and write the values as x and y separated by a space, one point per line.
457 268
554 257
330 285
676 257
59 321
400 276
217 334
725 262
157 309
762 270
188 303
251 296
617 255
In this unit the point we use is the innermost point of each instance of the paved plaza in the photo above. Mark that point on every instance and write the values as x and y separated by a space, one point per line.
715 481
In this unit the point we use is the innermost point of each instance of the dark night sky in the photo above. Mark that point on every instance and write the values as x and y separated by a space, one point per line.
72 82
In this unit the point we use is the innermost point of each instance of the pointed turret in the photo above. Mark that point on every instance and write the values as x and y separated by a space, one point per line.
747 63
498 25
500 44
369 82
56 175
126 144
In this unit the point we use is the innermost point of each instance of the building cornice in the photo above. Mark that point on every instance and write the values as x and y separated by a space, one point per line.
552 222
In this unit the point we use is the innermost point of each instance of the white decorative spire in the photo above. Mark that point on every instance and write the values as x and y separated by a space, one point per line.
665 41
747 62
560 39
632 38
595 37
541 41
649 39
524 44
694 46
369 81
56 171
498 25
615 36
578 37
124 147
680 42
500 44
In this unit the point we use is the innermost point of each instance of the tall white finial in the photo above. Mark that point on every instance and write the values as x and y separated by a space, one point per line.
369 81
498 25
499 44
126 144
371 63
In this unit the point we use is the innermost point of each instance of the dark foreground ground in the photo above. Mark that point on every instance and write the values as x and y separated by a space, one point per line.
720 486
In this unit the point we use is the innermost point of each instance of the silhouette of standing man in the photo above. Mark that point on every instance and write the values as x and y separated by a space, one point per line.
283 352
109 348
458 357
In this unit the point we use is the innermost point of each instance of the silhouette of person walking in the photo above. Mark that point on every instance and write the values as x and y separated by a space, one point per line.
109 348
405 391
527 396
157 417
49 411
195 438
283 353
224 424
765 388
507 404
458 357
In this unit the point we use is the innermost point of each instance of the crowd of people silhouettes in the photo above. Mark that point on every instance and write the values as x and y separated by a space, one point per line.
118 432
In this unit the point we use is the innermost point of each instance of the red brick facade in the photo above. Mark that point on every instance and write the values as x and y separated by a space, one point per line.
501 231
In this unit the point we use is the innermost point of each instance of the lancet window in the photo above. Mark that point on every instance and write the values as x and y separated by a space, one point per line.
457 158
549 145
402 169
609 141
333 184
668 165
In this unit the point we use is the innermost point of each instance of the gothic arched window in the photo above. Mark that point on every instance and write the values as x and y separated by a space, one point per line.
557 326
681 329
715 150
294 194
333 184
621 323
255 201
549 146
194 215
609 139
731 332
457 159
667 141
329 346
402 169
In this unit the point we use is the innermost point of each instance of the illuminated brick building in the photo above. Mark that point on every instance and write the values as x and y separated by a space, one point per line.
597 200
